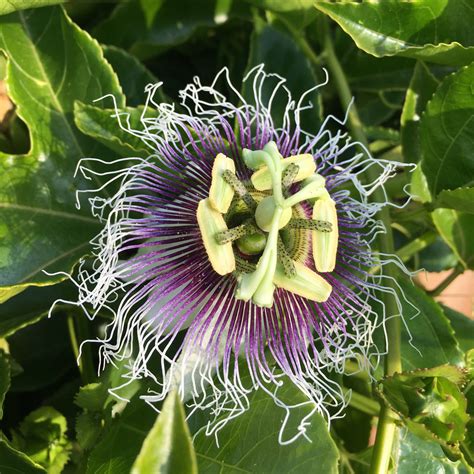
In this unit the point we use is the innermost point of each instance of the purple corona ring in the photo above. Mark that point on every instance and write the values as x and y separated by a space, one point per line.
237 256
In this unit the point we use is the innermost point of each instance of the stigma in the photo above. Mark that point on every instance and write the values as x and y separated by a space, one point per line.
247 227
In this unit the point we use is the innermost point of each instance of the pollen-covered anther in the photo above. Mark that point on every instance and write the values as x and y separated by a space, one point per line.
239 188
235 233
310 224
289 175
212 223
262 179
285 259
221 192
325 243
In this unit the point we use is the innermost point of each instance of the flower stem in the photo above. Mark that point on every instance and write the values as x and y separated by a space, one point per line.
78 331
458 270
386 430
416 245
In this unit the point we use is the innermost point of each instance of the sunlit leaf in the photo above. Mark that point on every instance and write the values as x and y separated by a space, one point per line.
457 230
447 133
168 447
9 6
431 30
39 223
14 462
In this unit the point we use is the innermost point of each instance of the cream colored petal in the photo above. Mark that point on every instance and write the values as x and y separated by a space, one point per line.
210 223
262 180
220 192
305 283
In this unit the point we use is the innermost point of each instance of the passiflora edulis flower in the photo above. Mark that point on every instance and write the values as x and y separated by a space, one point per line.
253 238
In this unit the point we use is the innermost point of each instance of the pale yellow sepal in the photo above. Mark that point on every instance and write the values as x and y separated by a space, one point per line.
325 243
220 192
262 179
305 283
210 223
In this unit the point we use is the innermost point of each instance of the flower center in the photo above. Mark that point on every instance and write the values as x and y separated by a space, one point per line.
263 214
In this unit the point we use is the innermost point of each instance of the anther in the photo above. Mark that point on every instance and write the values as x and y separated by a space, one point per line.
235 233
310 224
289 175
285 259
240 189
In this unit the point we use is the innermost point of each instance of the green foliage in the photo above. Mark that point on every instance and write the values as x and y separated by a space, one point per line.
40 226
168 447
9 6
250 442
5 374
13 461
42 436
446 133
290 63
457 230
428 339
417 455
433 30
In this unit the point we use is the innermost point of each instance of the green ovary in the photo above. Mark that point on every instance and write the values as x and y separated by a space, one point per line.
260 222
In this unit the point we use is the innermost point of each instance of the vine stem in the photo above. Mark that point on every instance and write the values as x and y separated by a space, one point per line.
386 428
79 331
458 270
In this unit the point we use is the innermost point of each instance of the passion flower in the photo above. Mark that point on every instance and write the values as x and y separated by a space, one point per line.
254 238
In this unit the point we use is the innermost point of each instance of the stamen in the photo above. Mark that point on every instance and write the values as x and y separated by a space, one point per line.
285 259
240 189
235 233
310 224
289 175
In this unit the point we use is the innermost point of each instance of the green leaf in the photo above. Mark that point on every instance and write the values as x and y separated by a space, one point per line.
427 336
290 63
88 429
132 74
461 199
422 86
168 447
40 226
5 373
250 443
92 397
44 352
282 5
431 30
378 84
16 462
32 305
42 436
9 6
420 456
463 328
430 400
150 9
103 125
419 189
145 40
447 133
117 449
457 230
